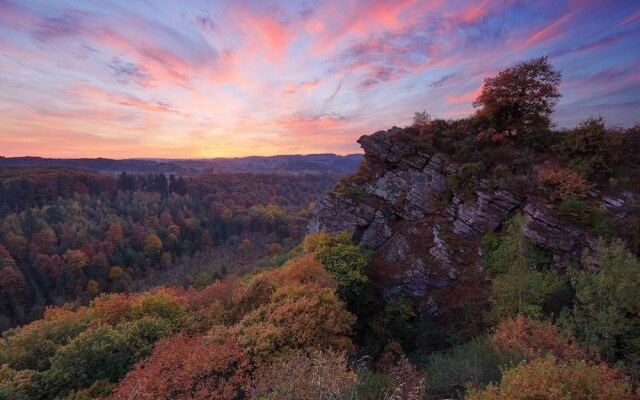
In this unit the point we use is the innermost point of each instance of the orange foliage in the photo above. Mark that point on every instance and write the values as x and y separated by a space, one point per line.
290 312
114 234
183 367
76 259
111 308
534 339
221 290
212 305
548 378
297 317
306 270
563 182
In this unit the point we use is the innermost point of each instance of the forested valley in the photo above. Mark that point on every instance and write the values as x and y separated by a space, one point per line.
68 235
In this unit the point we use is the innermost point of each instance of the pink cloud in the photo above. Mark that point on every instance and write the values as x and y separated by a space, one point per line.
553 31
473 13
629 20
464 98
306 86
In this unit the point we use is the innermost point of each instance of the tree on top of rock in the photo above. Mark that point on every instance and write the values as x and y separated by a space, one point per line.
521 99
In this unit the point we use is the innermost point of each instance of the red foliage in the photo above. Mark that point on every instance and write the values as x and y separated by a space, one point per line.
183 367
112 308
12 282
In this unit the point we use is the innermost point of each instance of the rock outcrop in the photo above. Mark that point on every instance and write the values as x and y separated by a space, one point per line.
403 207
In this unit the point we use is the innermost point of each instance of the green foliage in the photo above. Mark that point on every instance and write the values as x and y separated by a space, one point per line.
348 263
78 352
541 142
604 227
573 207
30 347
474 364
413 140
103 353
606 314
160 305
463 177
590 147
397 321
519 285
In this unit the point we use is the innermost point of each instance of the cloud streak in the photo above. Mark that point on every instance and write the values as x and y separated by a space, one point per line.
229 78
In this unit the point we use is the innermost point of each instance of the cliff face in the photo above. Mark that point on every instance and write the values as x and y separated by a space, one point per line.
425 232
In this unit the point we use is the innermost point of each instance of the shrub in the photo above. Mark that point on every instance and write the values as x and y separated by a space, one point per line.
563 182
630 145
590 147
534 339
305 376
573 207
464 174
548 378
474 364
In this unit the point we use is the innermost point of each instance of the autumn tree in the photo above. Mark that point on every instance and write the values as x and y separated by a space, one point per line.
152 246
115 234
297 317
6 260
520 99
12 282
76 259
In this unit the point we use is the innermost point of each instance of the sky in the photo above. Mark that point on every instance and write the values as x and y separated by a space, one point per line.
199 79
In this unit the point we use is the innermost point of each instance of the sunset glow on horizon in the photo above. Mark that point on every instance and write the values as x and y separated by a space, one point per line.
194 79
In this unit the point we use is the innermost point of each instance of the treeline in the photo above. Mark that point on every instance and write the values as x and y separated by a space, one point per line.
21 188
85 242
152 183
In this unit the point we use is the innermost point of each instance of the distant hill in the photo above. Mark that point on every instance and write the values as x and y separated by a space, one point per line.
289 164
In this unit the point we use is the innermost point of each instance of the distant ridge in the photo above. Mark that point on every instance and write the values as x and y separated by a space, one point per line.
288 164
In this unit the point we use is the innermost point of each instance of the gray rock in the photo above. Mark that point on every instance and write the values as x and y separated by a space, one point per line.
411 208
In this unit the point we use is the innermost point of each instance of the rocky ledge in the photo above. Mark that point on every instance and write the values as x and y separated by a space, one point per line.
403 209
